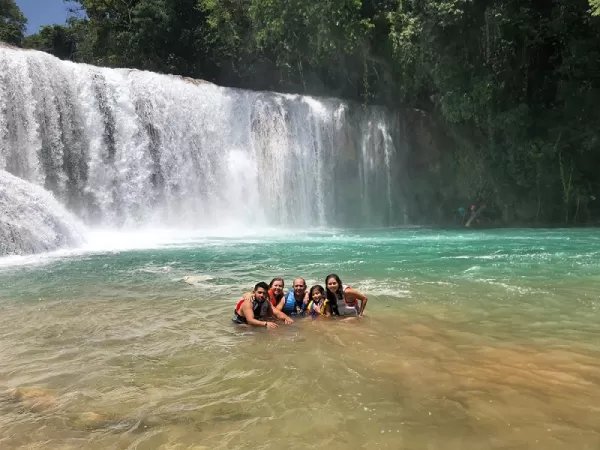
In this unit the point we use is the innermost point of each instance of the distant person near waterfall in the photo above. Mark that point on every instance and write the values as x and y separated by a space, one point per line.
344 300
256 310
474 212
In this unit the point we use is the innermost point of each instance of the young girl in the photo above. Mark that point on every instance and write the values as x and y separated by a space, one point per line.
317 302
343 300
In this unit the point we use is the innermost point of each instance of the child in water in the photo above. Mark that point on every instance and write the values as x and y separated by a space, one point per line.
317 302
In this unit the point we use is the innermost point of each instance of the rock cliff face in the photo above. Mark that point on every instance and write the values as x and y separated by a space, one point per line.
31 220
428 187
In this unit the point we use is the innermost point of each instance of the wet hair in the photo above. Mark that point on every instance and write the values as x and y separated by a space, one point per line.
333 297
316 287
276 279
263 285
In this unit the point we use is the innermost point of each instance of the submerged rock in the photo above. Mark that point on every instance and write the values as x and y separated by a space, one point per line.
91 420
32 220
33 398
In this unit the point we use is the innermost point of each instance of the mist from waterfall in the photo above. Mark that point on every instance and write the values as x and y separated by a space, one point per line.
128 149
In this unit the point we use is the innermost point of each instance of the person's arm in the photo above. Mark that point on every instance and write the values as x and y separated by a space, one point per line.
353 294
249 315
281 303
305 300
282 316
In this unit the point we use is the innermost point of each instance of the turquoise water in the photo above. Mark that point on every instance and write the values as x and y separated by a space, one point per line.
472 339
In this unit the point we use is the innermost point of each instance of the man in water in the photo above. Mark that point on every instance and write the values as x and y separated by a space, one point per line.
296 300
256 310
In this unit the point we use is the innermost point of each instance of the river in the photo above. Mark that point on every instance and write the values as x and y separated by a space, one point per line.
472 339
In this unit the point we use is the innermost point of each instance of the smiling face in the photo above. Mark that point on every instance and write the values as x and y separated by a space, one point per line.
277 287
332 284
299 287
317 296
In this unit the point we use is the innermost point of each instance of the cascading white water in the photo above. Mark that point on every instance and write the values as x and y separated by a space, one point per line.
31 220
126 148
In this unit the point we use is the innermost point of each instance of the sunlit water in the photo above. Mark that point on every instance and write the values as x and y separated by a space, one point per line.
473 339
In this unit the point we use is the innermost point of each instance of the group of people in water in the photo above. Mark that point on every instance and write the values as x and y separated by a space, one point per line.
268 303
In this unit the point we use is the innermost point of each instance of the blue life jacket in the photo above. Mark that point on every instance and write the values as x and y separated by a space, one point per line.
293 306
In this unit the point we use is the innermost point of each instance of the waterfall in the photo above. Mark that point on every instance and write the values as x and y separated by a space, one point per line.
126 148
32 221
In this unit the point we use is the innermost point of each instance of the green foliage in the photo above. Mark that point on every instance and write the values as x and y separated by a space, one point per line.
296 29
12 22
227 39
308 39
228 25
160 35
65 42
284 44
517 78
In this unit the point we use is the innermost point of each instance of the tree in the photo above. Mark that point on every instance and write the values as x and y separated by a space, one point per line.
159 35
58 40
515 84
12 22
228 40
312 42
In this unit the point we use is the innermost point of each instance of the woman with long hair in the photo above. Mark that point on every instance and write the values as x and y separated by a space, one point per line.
344 300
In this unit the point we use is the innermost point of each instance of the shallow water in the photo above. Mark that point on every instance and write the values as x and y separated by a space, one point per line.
473 339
